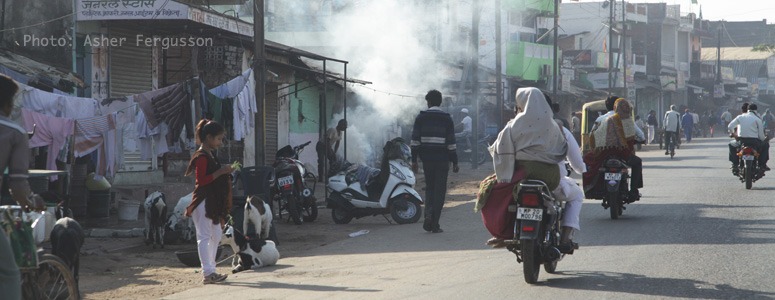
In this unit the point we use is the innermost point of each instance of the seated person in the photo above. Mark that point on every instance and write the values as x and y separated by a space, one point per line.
615 137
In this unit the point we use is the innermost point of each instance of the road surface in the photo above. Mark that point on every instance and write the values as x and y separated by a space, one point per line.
696 233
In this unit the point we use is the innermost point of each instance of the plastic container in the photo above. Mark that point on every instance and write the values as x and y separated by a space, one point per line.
95 182
128 211
98 204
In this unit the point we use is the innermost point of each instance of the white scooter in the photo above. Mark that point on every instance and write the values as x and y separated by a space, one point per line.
350 199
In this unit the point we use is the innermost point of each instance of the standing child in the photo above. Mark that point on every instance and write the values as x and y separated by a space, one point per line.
212 196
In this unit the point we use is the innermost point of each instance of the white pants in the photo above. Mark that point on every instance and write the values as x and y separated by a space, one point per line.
570 192
208 236
651 134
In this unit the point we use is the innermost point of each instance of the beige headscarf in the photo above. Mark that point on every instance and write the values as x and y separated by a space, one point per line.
531 136
617 130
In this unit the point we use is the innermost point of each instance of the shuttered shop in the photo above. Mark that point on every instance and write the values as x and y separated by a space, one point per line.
131 66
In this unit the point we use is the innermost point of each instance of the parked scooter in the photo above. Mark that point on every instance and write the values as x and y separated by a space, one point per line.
289 185
391 191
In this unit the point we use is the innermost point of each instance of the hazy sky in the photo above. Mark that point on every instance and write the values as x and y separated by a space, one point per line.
730 10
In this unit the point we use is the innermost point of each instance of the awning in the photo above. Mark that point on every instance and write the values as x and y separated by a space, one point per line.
695 87
19 67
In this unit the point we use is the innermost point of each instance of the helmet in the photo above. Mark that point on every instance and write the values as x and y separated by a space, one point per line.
465 110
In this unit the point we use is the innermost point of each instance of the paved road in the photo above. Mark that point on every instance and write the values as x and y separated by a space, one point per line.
697 233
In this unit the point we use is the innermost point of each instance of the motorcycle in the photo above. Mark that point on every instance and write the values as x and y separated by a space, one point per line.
289 185
465 151
748 170
391 191
537 231
614 174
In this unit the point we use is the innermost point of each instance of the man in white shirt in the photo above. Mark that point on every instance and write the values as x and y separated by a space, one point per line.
726 117
672 123
327 153
467 124
750 130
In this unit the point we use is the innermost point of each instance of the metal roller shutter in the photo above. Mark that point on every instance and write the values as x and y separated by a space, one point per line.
270 139
131 66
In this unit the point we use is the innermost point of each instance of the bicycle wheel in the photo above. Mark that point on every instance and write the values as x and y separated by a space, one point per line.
52 280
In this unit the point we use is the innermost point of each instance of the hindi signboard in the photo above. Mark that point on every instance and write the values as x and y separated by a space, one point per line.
95 10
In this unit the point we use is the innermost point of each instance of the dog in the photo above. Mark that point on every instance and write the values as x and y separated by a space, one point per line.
249 254
155 218
66 241
258 213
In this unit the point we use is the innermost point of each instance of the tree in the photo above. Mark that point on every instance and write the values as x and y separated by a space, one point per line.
764 48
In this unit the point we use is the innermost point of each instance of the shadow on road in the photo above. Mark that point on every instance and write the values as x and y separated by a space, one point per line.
699 224
298 287
657 286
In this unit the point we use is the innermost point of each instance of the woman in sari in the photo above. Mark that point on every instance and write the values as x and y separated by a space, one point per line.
615 137
529 147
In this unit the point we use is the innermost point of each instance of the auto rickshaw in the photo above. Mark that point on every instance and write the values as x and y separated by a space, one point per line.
589 113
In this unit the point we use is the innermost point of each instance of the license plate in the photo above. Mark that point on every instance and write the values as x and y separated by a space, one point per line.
533 214
613 176
747 157
287 180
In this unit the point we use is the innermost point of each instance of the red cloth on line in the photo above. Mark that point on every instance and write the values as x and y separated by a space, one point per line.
495 213
202 178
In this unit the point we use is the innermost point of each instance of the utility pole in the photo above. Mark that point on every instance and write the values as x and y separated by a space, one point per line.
624 53
718 54
611 4
259 67
477 13
498 62
556 36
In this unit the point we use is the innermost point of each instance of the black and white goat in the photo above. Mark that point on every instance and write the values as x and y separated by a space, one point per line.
155 217
249 253
259 214
66 241
179 223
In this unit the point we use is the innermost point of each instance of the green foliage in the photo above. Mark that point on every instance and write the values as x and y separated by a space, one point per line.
764 48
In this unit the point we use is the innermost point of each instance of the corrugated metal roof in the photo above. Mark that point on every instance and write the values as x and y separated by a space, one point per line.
734 53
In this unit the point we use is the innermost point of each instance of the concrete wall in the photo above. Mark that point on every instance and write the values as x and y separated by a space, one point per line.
21 13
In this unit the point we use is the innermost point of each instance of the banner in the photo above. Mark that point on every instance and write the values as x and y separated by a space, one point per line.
94 10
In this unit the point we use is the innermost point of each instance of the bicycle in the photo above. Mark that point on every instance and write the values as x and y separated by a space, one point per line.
49 278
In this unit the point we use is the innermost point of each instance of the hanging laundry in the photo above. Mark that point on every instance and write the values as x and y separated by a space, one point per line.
89 133
233 87
221 110
171 105
49 131
57 105
152 140
244 110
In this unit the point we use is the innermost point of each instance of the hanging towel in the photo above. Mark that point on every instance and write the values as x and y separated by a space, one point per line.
233 87
57 105
49 131
89 133
149 138
171 105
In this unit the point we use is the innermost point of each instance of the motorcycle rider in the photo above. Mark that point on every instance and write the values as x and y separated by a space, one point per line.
672 123
750 131
465 135
606 145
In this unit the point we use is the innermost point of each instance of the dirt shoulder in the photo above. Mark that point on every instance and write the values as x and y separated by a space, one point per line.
125 268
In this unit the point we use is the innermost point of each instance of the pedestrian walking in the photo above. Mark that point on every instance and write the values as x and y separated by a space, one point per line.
726 117
433 142
712 121
576 127
652 123
687 120
14 155
211 202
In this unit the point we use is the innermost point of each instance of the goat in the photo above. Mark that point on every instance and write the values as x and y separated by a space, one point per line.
180 223
66 241
249 254
259 214
155 217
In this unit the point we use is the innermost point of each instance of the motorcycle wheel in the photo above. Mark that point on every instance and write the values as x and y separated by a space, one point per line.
531 261
310 212
484 154
409 215
341 216
748 177
614 205
294 210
